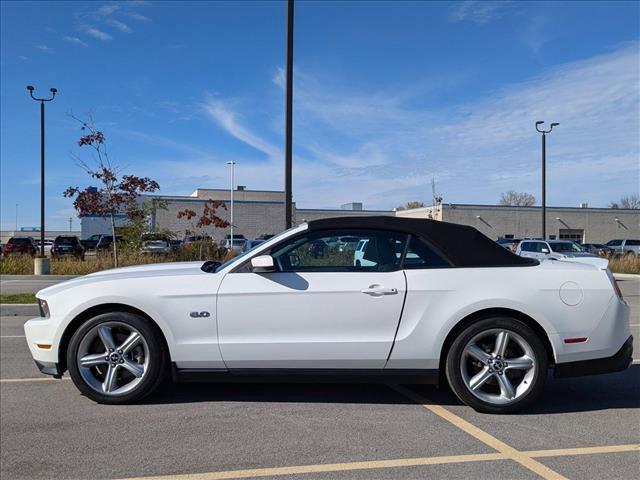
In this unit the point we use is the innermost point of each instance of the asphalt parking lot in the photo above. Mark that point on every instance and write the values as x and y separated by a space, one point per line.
583 428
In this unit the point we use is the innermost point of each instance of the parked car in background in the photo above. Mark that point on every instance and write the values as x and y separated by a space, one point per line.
65 245
237 244
249 244
190 240
597 249
265 236
624 247
106 242
48 243
175 245
160 247
510 244
348 244
91 242
20 246
552 249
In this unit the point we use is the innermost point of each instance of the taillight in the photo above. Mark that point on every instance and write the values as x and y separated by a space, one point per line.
616 288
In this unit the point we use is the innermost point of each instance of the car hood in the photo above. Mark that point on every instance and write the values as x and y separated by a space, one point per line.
136 271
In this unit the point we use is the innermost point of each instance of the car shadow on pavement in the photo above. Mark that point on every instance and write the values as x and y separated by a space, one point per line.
581 394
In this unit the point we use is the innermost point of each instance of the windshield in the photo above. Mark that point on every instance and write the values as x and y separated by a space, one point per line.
238 258
19 241
155 243
66 240
565 247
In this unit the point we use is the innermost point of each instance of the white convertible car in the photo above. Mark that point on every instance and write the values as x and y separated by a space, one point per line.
427 302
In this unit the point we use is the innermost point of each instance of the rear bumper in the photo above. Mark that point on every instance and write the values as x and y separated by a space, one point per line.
616 363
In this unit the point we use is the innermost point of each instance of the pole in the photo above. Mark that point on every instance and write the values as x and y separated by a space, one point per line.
16 218
42 179
288 196
544 186
70 224
232 182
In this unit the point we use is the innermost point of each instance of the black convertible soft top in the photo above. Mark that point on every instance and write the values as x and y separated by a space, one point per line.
462 245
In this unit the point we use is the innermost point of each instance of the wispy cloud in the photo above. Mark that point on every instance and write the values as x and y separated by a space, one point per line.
95 32
75 40
137 16
476 11
23 58
118 25
45 49
226 119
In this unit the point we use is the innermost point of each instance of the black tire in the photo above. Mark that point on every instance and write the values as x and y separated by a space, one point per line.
153 375
455 357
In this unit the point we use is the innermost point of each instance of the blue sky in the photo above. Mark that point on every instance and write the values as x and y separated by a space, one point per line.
387 95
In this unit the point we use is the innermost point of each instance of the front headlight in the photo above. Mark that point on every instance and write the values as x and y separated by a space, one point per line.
43 306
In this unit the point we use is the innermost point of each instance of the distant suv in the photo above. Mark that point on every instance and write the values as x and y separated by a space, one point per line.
67 245
625 247
20 246
553 249
91 242
106 242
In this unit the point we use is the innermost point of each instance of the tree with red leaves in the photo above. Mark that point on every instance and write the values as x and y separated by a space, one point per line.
118 193
208 217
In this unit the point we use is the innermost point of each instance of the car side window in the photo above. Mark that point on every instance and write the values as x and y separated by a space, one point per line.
527 247
633 243
341 251
421 255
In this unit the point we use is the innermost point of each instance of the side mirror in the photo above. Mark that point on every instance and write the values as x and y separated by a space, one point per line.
545 250
262 264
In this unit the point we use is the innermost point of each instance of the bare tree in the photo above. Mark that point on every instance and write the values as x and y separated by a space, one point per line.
517 199
410 205
627 201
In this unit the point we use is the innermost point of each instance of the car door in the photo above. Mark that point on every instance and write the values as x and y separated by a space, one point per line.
314 311
528 250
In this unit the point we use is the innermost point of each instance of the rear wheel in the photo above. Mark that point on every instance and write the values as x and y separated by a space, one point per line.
116 358
497 365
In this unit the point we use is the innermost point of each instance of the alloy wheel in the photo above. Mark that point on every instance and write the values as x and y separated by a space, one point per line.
498 366
113 358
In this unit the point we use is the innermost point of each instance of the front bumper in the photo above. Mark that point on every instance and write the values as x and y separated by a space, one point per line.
49 368
616 363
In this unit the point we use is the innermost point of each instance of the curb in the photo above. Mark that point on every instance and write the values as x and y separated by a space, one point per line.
627 276
19 309
37 277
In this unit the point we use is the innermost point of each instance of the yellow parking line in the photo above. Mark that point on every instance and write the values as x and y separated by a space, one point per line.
508 451
328 467
381 464
560 452
35 379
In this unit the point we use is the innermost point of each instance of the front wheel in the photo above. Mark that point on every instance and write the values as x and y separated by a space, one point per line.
497 365
116 358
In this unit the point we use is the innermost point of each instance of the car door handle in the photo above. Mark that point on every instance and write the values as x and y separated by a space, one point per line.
377 290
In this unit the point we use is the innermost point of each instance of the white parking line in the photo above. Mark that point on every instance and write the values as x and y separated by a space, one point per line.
11 336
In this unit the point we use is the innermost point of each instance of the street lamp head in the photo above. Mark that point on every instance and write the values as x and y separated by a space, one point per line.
539 122
30 88
231 162
554 125
53 91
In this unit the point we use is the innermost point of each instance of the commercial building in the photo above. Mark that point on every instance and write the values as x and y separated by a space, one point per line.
256 212
581 224
259 212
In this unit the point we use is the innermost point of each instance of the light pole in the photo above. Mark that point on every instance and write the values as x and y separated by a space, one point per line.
544 174
16 218
288 135
233 164
42 102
